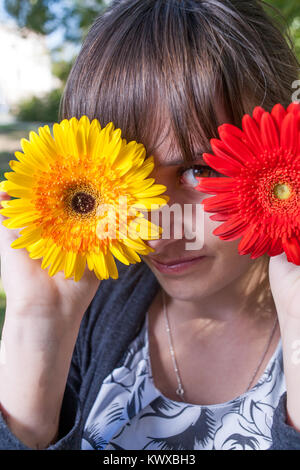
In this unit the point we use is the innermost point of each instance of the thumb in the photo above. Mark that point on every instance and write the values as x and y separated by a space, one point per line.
7 236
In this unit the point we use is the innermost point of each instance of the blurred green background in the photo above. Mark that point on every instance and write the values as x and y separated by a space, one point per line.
60 27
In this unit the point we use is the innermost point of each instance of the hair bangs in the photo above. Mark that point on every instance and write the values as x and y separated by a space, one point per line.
157 66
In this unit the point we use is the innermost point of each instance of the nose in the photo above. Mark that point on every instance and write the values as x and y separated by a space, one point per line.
179 221
170 219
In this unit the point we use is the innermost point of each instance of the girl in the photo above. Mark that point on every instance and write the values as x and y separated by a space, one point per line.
187 349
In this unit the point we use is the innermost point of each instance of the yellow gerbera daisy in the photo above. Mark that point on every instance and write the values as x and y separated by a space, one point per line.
66 187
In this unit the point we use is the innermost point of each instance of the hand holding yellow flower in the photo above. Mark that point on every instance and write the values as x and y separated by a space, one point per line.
65 183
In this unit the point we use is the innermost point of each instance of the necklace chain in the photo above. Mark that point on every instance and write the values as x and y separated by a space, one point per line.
180 390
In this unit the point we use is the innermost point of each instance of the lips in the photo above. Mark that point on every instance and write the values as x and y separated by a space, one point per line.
174 261
176 267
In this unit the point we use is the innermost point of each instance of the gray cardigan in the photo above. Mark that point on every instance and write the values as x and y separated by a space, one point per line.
111 322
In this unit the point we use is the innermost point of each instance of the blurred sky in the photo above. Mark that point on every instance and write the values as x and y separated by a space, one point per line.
54 39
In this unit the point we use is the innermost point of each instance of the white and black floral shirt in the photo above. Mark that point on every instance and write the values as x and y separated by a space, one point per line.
131 413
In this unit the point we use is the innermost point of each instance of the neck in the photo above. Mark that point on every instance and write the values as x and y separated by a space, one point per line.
249 295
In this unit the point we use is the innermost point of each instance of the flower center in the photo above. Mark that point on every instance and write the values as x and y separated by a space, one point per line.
83 203
282 191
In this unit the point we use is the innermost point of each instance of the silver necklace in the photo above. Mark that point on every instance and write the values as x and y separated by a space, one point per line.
180 390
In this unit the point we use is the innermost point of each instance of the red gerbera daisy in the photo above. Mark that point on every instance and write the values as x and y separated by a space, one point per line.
259 198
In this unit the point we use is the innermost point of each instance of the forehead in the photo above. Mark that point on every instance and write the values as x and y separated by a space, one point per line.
166 153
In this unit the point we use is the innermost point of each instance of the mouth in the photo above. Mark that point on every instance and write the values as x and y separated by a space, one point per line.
176 265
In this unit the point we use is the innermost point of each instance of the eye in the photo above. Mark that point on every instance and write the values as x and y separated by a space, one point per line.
187 174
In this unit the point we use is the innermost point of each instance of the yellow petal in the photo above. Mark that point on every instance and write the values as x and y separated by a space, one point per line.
70 263
90 261
125 154
71 142
57 262
59 137
136 244
22 180
100 266
28 162
50 255
147 230
44 150
85 122
111 265
28 238
113 147
118 253
21 220
20 168
104 138
37 250
48 141
92 138
32 153
3 186
139 185
81 141
155 190
5 205
19 205
143 172
79 267
150 203
17 191
132 256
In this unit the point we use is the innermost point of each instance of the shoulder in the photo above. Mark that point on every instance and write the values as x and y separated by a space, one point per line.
117 311
134 280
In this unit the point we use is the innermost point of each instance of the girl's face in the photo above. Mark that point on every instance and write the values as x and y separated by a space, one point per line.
221 265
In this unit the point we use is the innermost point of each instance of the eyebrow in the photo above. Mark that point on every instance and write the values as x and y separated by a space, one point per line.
182 162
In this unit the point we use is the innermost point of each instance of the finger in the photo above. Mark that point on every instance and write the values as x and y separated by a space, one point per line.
7 236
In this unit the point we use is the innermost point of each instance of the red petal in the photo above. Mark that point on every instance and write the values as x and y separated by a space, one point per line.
248 241
214 185
291 247
220 217
231 230
231 129
278 113
294 108
289 133
257 114
221 150
240 151
276 247
261 246
252 132
269 132
220 203
228 166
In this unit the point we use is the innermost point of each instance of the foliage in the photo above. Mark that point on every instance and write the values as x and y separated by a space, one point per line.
43 109
290 19
74 17
61 69
44 16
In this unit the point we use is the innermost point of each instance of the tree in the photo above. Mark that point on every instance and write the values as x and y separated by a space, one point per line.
291 13
73 17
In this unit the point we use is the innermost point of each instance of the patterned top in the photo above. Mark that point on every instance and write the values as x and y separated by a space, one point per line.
131 413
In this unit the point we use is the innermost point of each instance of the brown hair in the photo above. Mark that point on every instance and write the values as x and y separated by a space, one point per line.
144 56
141 55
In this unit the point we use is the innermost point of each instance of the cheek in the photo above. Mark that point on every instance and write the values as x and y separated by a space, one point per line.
226 251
